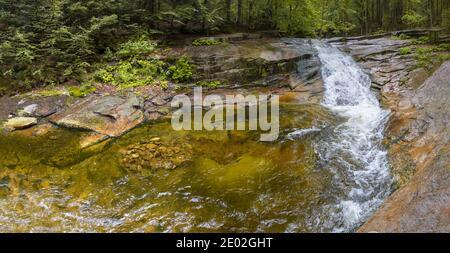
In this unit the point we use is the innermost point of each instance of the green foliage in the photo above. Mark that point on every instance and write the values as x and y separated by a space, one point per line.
137 68
211 84
205 42
81 91
136 49
49 93
444 47
422 40
132 73
424 57
182 71
444 57
405 51
414 19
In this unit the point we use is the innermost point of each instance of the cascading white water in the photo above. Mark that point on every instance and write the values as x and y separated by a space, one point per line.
353 151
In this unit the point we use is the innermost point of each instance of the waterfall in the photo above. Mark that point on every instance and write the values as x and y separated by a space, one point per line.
353 151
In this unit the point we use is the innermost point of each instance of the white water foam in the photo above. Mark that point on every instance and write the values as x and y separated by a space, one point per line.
354 152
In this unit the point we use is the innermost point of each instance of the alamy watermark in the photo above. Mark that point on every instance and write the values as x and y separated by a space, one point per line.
236 112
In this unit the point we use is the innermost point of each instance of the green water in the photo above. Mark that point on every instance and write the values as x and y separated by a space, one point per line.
233 183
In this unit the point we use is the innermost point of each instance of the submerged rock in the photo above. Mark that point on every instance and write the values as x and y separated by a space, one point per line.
20 123
153 154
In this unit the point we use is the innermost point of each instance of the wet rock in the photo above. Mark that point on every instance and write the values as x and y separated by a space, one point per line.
41 107
92 139
422 203
35 131
309 65
244 62
20 123
109 115
379 49
28 110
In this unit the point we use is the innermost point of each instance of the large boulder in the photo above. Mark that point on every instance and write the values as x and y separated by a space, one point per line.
107 116
258 62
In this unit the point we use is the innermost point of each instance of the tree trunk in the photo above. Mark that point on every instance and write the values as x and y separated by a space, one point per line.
204 21
250 13
228 10
239 12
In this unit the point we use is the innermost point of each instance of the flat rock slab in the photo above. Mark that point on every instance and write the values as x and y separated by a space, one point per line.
109 115
370 48
20 123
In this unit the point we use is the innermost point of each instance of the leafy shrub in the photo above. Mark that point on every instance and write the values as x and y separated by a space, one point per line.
182 71
134 73
405 50
444 47
401 37
445 57
425 50
137 48
424 57
422 40
134 67
413 18
205 42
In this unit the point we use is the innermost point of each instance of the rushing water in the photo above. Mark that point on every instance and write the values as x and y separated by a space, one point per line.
326 173
353 151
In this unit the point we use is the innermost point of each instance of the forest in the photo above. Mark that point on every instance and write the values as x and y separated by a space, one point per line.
49 42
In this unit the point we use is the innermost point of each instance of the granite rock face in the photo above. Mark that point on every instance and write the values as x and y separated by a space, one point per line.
423 203
257 62
380 57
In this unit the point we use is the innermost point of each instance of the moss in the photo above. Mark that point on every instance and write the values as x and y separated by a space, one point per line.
205 42
49 93
263 72
81 91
